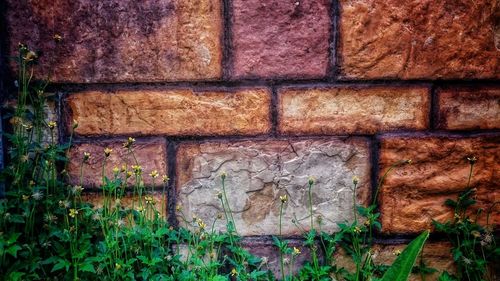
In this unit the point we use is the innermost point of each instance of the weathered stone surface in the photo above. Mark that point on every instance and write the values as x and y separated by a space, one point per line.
280 38
172 112
416 193
428 39
435 254
129 201
259 172
348 110
121 40
269 253
151 155
466 108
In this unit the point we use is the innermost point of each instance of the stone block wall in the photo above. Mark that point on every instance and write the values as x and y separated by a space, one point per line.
275 92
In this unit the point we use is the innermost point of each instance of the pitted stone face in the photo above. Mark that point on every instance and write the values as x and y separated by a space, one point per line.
121 40
259 172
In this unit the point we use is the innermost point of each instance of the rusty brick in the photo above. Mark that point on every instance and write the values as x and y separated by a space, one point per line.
430 39
150 154
416 193
467 108
352 110
259 172
281 38
121 40
178 112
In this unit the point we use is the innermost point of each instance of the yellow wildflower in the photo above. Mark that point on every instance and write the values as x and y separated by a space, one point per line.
154 174
201 224
283 198
149 200
73 213
234 272
128 144
165 178
52 125
296 251
137 169
107 151
86 156
58 38
355 180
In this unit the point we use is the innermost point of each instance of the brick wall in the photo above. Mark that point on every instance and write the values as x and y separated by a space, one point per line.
273 92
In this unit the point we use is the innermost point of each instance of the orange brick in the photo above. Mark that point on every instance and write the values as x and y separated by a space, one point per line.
177 112
416 193
349 110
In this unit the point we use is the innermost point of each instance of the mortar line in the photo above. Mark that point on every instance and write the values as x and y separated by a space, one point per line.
171 190
335 59
229 85
227 50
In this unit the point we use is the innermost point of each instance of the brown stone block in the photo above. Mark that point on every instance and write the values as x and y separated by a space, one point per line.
177 112
414 194
128 201
281 38
352 110
467 108
121 40
270 255
434 254
259 172
429 39
151 155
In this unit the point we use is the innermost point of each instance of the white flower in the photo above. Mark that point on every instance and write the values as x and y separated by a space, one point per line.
37 195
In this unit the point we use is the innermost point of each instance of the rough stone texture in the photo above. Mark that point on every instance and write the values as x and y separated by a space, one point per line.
418 39
171 112
464 109
128 201
121 40
280 38
435 254
349 110
150 154
416 193
269 253
258 172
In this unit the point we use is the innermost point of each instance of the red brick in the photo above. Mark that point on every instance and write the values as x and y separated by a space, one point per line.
121 40
177 112
352 110
281 38
269 253
467 108
416 193
150 154
427 39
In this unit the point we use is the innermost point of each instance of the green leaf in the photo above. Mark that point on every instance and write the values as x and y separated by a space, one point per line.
60 265
88 267
401 268
12 250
